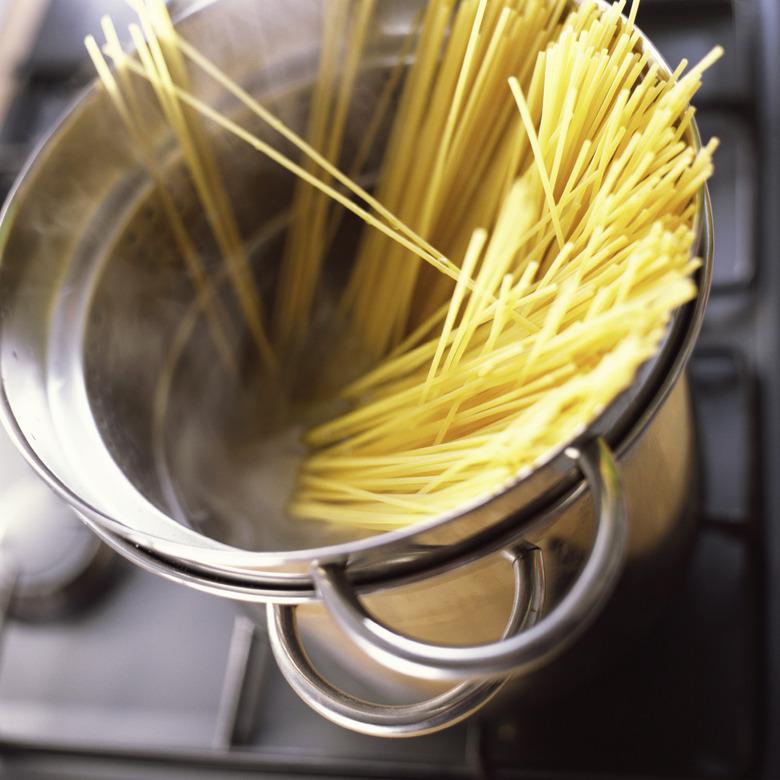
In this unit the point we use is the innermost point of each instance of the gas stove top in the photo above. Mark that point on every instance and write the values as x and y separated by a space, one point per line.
139 678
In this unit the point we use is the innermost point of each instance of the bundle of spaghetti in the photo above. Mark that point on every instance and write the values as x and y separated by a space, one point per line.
586 257
528 242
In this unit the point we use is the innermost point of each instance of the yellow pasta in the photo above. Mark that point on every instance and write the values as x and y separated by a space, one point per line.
525 247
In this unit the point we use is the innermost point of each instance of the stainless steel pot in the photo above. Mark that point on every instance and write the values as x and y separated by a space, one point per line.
107 386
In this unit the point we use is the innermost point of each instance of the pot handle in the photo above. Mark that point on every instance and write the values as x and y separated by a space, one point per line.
523 651
408 720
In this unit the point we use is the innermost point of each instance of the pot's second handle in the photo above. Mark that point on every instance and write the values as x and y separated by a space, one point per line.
523 651
408 720
527 642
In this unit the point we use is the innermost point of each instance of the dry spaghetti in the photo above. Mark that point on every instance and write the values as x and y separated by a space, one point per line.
529 238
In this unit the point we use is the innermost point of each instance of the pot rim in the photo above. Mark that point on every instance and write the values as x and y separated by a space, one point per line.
667 367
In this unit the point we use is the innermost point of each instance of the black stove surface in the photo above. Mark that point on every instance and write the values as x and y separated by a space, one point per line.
155 681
